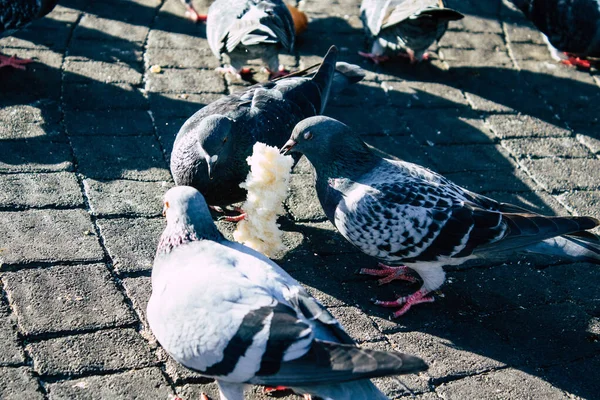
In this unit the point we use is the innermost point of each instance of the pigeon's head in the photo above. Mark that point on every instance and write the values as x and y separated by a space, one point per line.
317 137
185 207
215 141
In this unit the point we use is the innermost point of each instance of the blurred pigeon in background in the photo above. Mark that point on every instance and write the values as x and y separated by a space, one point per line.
404 27
572 27
211 148
230 313
243 30
15 15
402 213
191 12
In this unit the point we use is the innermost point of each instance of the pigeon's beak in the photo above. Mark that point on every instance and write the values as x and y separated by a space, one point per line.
211 162
288 146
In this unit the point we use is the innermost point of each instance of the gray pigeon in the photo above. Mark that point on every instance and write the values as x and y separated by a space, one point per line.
16 14
402 213
244 30
230 313
404 27
211 148
572 27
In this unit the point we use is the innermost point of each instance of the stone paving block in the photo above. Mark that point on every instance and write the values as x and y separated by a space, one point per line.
143 384
556 175
99 96
484 182
114 157
12 353
302 201
519 33
407 94
592 143
489 9
114 50
37 120
468 40
182 105
475 58
40 190
125 198
400 148
579 282
139 290
359 95
102 29
185 81
325 22
461 158
547 147
48 236
527 51
447 127
193 391
108 122
102 351
34 155
474 23
545 335
65 298
19 382
513 126
41 79
324 239
357 324
182 58
172 40
167 129
131 243
505 384
582 202
369 121
100 71
46 33
576 378
134 12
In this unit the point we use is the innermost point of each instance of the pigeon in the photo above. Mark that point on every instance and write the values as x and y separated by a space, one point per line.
15 15
191 12
211 147
244 30
408 216
572 27
404 27
230 313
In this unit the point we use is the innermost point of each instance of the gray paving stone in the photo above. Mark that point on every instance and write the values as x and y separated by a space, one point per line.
12 353
102 351
556 175
108 122
475 58
185 81
172 40
576 378
448 127
302 201
407 94
37 120
100 71
582 202
114 157
357 324
35 156
490 181
125 198
40 190
477 24
528 51
519 33
461 158
579 283
590 142
511 126
99 96
468 40
41 79
19 382
184 105
182 58
48 236
369 121
505 384
131 243
167 129
547 147
123 51
134 11
65 298
94 28
139 290
193 391
147 383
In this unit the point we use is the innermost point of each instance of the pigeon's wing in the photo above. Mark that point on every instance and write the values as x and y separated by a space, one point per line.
401 10
222 14
372 13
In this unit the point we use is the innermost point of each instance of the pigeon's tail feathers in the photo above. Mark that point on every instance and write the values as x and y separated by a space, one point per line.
346 74
357 390
441 14
578 246
324 75
329 363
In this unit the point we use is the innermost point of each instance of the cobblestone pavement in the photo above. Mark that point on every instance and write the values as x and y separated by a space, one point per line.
85 136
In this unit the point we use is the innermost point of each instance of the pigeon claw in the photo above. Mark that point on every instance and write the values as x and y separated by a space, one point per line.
14 62
389 274
373 57
279 73
406 302
576 61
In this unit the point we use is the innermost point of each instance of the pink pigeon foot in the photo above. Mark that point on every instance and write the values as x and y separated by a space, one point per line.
406 302
193 15
278 74
204 396
576 61
389 273
14 62
230 218
373 57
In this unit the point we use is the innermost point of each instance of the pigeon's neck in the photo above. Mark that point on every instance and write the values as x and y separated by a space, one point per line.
180 233
349 160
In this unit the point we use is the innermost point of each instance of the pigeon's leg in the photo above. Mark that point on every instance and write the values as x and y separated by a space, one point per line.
271 389
281 71
373 57
576 61
232 218
406 302
389 273
238 74
13 62
191 12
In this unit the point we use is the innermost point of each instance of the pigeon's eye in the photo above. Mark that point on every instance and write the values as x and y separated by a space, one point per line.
308 135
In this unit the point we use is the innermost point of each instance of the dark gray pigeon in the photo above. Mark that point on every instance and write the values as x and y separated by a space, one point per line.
404 27
230 313
211 148
16 14
572 27
402 213
243 30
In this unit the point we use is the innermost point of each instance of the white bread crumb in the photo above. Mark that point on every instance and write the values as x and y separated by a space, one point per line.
267 185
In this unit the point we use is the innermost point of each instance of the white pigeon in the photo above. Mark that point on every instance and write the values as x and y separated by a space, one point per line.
228 312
